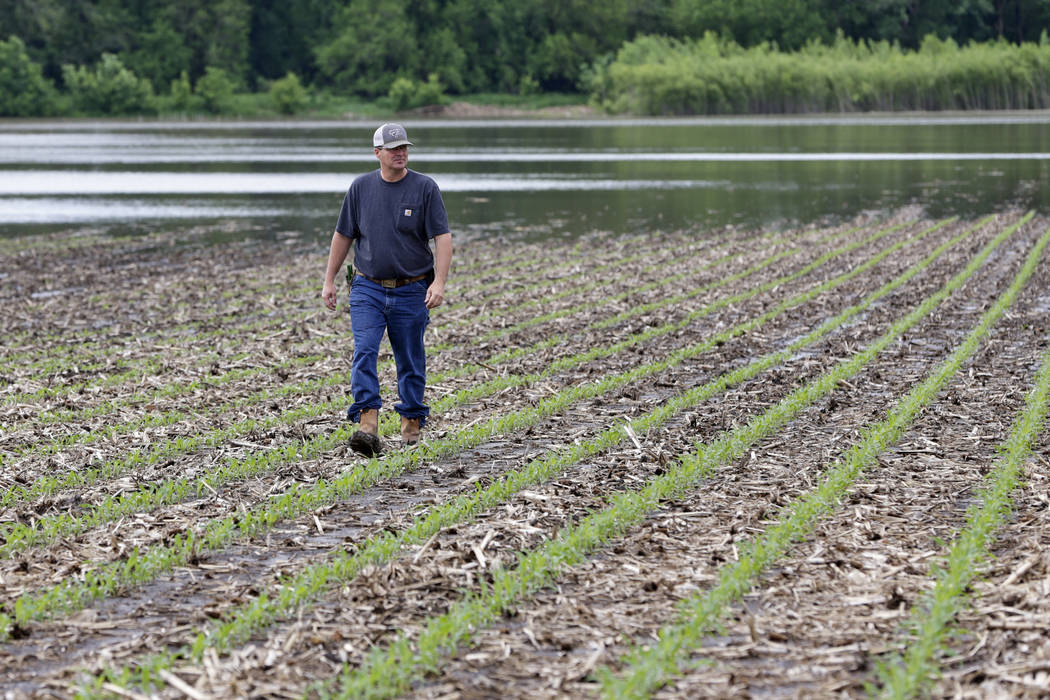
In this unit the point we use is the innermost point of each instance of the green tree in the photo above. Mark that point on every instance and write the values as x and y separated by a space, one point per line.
447 58
24 91
58 32
377 44
285 33
215 90
216 33
182 92
559 59
789 24
108 89
160 54
288 94
408 94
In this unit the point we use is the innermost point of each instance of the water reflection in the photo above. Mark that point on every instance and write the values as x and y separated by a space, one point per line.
549 177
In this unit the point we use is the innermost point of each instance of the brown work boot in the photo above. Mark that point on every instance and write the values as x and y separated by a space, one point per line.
409 431
366 439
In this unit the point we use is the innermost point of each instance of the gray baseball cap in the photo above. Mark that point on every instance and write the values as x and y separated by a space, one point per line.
390 136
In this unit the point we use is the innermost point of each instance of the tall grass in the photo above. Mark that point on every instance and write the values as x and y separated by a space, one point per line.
664 76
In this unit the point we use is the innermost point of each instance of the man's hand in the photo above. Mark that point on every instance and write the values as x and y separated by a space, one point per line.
329 294
435 295
336 255
442 261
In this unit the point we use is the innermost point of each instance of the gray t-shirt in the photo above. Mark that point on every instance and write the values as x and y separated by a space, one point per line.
392 224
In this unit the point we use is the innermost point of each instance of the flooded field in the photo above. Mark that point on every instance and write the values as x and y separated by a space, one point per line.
698 462
542 178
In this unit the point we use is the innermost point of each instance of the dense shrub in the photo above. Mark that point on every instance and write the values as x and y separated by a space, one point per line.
409 94
182 92
108 89
288 94
215 90
24 91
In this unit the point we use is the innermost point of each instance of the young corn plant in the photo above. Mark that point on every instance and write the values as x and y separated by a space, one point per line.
19 536
908 674
67 416
164 449
548 260
390 671
109 577
295 594
648 668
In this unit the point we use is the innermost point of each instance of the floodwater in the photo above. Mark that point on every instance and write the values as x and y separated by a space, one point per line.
524 177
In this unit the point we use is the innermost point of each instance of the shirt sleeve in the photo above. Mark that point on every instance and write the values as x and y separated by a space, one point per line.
347 223
437 217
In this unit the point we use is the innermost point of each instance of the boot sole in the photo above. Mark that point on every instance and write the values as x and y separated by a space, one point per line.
365 443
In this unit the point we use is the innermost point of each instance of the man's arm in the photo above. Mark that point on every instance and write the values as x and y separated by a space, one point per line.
336 255
442 263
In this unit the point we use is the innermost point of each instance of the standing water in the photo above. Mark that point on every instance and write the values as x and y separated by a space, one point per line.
526 177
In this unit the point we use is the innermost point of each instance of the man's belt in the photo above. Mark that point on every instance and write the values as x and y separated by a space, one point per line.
393 283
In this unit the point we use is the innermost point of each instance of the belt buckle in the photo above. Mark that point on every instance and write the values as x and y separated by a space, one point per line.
389 284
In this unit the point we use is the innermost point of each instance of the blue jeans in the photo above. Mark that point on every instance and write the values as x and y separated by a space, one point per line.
402 313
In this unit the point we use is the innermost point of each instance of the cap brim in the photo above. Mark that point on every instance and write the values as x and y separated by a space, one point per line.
395 144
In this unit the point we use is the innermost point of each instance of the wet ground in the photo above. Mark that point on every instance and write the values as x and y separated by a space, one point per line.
162 389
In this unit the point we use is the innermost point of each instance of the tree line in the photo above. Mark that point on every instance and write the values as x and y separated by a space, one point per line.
127 56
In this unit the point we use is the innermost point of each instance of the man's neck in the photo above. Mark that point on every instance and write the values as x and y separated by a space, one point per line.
393 175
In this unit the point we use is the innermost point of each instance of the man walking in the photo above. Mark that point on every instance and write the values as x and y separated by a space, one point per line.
390 215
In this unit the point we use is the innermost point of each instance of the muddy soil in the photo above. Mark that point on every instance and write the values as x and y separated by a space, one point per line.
171 340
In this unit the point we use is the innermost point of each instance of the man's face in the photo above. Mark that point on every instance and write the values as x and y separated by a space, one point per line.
393 158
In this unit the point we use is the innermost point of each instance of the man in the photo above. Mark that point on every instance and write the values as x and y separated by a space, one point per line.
390 215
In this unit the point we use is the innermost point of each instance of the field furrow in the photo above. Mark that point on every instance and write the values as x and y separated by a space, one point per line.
164 451
641 445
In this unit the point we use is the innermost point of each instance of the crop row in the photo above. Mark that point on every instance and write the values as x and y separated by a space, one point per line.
139 565
650 667
136 568
390 670
60 344
135 370
19 536
907 674
175 389
313 385
166 449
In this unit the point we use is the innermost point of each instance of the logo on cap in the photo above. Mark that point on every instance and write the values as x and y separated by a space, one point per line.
390 136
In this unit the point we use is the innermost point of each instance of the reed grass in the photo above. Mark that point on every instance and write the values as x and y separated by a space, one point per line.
709 75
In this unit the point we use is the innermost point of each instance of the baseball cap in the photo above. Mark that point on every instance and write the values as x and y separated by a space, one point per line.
390 136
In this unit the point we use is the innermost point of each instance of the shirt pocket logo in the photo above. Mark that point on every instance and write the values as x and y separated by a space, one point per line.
408 219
